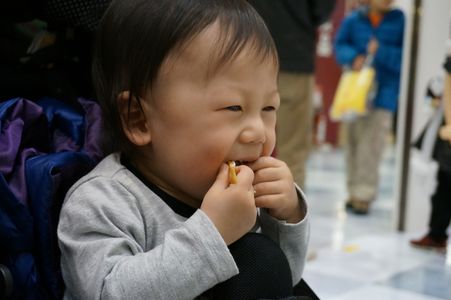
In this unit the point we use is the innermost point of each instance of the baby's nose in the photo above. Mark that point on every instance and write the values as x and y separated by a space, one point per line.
254 132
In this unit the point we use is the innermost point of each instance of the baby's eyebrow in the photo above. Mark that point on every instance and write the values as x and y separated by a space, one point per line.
272 93
244 90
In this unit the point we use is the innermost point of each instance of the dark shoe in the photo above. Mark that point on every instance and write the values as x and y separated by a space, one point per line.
427 242
360 207
357 206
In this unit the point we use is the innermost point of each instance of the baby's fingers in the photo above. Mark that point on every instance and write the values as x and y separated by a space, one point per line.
265 162
244 176
276 207
221 181
268 201
268 188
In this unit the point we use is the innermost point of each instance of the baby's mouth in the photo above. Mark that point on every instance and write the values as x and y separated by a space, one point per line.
240 162
232 164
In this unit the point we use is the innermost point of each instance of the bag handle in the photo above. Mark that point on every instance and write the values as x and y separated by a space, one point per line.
368 60
430 135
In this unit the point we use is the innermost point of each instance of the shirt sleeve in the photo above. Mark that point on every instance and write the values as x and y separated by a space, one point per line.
104 255
345 50
292 238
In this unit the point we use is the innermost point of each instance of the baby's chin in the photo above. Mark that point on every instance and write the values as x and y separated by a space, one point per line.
197 186
195 194
190 199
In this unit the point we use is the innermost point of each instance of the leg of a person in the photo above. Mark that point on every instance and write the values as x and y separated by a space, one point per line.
441 206
353 132
294 122
369 152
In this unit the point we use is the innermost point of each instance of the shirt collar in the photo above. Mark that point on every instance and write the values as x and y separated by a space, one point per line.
176 205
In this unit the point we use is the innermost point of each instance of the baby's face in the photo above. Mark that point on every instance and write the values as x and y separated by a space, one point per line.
199 123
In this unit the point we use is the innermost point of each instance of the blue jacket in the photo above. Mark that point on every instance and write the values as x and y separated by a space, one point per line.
352 39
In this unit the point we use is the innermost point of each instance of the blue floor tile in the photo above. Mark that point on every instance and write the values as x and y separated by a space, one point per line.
429 280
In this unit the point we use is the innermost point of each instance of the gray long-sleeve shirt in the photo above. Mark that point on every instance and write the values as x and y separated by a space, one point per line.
119 240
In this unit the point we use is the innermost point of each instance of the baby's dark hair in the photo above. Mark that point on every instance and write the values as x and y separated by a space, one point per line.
136 36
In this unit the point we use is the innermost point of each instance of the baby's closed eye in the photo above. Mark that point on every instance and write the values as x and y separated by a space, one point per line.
239 108
269 108
234 108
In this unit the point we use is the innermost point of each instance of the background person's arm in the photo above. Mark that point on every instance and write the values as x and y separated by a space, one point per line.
445 131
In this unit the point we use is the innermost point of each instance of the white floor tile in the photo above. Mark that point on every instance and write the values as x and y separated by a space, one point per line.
364 257
376 292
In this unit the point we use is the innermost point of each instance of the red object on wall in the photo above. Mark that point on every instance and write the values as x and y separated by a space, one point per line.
327 72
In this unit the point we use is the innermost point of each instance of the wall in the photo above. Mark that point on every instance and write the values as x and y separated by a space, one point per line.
434 29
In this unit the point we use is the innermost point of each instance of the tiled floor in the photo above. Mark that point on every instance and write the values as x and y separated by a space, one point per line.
363 257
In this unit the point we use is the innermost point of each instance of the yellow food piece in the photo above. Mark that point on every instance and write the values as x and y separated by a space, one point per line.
351 248
232 172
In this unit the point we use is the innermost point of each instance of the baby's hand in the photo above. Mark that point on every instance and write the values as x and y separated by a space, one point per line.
231 207
275 190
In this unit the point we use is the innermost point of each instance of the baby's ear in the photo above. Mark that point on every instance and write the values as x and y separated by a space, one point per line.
133 119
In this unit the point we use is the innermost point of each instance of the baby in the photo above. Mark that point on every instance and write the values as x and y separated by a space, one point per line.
185 87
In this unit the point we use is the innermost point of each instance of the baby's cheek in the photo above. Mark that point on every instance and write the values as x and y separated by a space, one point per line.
203 176
197 185
268 148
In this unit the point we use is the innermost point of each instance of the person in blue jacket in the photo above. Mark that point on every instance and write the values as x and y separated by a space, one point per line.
375 30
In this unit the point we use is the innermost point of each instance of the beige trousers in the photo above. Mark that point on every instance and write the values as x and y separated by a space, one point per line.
294 122
364 148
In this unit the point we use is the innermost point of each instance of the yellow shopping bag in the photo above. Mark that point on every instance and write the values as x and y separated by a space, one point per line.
351 96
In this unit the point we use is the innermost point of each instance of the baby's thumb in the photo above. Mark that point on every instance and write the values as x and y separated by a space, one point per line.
222 179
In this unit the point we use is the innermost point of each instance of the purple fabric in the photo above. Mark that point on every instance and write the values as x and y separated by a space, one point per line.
45 146
63 142
23 134
93 128
27 130
74 127
66 124
17 183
